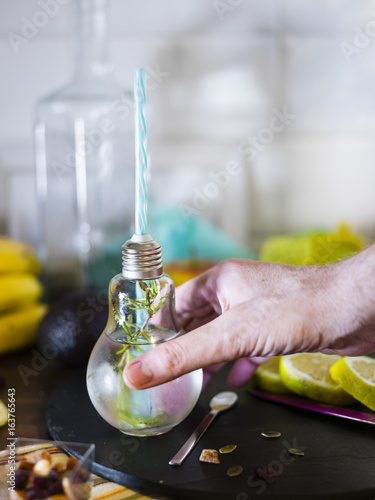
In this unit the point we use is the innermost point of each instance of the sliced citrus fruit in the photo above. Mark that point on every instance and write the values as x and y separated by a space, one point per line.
3 414
357 376
307 374
267 377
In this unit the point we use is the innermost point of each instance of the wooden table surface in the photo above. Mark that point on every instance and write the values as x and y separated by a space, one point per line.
34 379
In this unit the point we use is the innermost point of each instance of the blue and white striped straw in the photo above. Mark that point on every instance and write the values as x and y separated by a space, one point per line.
140 153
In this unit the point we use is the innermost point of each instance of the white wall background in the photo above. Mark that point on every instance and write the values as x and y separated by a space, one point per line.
227 73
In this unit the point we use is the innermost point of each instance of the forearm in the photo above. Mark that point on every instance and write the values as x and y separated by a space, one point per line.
359 275
350 303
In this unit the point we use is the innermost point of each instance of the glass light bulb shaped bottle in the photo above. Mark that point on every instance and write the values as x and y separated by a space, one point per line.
141 316
84 170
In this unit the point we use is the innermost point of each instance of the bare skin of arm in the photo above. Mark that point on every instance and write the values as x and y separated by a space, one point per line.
246 310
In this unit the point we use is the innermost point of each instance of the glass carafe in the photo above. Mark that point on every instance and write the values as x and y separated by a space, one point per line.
84 164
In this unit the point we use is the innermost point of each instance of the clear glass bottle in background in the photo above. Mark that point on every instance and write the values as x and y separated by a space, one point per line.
84 143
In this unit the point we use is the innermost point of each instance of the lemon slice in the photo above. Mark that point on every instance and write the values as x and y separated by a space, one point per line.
357 376
267 377
308 375
3 414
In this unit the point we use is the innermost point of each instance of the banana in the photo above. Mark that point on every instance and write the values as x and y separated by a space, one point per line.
3 414
17 257
17 290
19 327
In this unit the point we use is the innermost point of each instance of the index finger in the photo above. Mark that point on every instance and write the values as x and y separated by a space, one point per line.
196 297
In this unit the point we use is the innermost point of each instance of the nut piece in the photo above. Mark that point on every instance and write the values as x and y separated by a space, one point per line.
46 456
17 495
42 468
34 456
72 462
209 456
59 467
25 464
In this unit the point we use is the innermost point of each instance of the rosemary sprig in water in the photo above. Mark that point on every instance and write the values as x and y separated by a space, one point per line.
149 304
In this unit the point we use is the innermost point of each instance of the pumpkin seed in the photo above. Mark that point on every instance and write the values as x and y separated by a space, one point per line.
236 470
271 434
296 451
227 449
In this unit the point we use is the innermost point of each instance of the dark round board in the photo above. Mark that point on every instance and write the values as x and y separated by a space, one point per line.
339 461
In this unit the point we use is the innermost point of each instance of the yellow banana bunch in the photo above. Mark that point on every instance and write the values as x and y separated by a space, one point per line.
20 293
17 290
17 257
18 327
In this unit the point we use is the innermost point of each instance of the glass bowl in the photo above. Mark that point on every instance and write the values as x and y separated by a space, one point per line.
38 469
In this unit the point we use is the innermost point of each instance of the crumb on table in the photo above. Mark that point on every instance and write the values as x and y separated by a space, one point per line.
210 456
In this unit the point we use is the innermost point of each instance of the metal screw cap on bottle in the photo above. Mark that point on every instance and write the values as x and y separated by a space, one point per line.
142 258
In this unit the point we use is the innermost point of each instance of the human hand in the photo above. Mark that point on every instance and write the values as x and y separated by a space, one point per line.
243 308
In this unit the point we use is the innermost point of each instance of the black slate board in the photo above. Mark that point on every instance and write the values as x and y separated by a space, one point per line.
339 461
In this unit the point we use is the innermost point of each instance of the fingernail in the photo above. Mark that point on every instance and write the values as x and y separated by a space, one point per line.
138 374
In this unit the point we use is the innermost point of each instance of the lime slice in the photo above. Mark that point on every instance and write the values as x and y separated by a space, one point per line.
357 376
308 375
267 377
3 414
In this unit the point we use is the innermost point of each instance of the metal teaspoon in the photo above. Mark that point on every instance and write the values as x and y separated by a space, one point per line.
220 402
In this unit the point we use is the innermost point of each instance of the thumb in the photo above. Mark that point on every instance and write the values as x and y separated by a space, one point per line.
212 343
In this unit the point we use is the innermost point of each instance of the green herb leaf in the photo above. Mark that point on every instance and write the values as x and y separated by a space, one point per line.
123 349
147 304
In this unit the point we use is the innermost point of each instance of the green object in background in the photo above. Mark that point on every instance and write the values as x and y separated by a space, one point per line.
312 247
105 264
180 239
195 237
